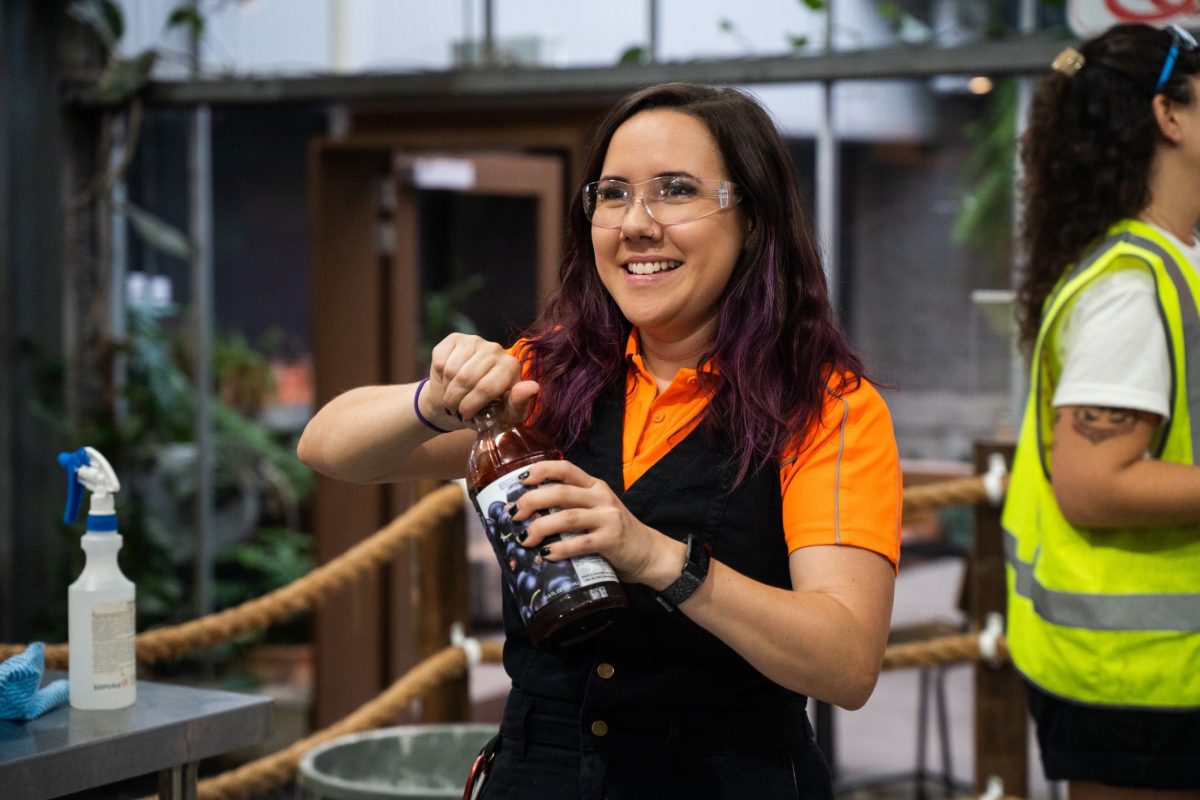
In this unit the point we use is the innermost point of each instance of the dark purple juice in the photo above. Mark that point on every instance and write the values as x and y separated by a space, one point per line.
561 602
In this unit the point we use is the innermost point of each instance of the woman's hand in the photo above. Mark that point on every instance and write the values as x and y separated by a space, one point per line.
588 508
824 637
466 373
371 434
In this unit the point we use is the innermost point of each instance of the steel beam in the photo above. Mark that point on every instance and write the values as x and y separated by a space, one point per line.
1011 56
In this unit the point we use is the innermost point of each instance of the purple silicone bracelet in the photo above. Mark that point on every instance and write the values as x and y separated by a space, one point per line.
417 407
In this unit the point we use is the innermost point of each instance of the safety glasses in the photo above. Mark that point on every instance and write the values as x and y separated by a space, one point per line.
1180 40
668 199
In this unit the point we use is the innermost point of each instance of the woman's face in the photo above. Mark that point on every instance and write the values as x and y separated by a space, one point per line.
680 301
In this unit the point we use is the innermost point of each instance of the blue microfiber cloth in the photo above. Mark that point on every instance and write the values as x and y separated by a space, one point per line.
20 675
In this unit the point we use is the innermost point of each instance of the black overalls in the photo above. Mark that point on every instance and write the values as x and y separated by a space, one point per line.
655 707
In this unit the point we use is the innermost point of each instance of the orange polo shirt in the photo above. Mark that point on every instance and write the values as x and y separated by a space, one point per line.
843 487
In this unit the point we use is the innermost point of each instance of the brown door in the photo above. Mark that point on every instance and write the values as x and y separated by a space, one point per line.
392 232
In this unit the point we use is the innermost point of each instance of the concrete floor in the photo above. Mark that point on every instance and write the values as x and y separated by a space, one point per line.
876 746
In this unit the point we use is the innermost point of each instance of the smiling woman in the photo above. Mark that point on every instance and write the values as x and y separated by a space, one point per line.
667 277
722 451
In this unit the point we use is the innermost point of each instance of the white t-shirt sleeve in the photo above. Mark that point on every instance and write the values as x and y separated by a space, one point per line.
1113 347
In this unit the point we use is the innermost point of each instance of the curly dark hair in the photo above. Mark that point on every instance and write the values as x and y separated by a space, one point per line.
1087 153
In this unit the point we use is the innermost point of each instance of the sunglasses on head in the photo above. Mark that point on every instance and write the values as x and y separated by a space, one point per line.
1180 40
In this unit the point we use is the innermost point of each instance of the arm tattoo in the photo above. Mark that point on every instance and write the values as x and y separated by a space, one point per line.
1098 424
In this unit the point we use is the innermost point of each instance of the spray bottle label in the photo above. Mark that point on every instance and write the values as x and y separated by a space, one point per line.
113 657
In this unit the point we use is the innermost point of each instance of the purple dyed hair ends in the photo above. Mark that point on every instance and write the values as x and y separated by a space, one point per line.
776 344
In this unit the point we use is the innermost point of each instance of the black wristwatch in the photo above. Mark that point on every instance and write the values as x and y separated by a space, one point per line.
695 570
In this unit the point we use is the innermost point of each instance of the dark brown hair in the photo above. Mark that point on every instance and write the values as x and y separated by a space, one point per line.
1087 153
776 338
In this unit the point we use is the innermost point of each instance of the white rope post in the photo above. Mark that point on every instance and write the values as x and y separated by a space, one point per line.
994 790
989 639
469 644
993 479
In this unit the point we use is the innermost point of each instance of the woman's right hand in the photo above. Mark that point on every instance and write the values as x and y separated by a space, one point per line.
466 373
365 435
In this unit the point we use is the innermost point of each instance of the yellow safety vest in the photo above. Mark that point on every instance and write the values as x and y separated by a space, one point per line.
1108 616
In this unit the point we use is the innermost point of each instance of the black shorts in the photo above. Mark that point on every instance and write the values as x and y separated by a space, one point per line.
1117 746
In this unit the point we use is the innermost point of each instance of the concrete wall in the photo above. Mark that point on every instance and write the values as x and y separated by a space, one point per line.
908 290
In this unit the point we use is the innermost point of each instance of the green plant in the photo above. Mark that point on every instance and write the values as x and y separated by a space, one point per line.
441 315
259 482
272 558
795 41
985 217
146 425
119 82
244 376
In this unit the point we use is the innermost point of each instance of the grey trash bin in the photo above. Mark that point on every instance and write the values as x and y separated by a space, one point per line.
413 762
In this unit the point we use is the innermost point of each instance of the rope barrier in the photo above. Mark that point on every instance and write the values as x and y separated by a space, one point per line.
942 650
424 516
273 771
160 644
960 491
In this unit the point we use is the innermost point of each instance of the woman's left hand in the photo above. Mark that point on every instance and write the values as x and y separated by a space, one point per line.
824 637
587 507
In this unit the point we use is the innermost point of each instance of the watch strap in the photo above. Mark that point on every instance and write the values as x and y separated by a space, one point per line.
695 570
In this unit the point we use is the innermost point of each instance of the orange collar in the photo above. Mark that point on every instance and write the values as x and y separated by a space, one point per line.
633 355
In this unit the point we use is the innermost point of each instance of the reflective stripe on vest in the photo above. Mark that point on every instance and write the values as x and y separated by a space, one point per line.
1109 616
1104 612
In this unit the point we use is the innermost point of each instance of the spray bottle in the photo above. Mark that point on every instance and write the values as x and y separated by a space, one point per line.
101 626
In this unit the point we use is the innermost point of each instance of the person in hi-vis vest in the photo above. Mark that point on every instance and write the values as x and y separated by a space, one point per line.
1102 520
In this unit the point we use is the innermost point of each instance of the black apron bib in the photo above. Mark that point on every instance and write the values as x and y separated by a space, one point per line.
655 706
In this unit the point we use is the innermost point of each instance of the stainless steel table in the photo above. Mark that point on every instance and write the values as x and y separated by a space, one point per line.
168 730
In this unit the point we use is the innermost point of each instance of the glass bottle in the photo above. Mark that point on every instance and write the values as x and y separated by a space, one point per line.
561 602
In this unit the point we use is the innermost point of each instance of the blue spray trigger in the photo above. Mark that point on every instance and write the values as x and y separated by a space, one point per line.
71 462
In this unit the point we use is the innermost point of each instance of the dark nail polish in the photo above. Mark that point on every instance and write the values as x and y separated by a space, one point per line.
545 552
510 509
522 536
523 475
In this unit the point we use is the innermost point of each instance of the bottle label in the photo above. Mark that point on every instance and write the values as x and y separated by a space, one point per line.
113 658
533 580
